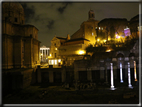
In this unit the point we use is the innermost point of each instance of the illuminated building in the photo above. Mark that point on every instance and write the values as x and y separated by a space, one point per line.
54 58
44 53
134 24
20 45
87 29
73 48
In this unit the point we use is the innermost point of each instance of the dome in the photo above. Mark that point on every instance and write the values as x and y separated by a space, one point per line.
13 12
12 6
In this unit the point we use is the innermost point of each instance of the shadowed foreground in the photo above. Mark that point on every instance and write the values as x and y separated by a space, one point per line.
43 94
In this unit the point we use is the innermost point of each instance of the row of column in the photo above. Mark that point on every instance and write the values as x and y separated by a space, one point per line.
44 54
121 75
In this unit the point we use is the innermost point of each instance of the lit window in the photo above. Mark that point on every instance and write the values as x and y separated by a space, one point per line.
52 62
55 62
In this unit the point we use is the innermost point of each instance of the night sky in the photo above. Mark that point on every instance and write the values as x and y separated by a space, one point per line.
61 18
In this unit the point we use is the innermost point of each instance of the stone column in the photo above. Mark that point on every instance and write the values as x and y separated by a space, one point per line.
42 55
76 75
63 74
129 76
45 54
135 73
51 76
106 73
121 74
101 73
112 80
89 74
38 74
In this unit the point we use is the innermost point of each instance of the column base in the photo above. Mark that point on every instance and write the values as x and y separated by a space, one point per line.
112 88
130 86
121 81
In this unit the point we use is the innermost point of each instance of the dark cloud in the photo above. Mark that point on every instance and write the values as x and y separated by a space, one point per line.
50 24
65 18
61 9
29 12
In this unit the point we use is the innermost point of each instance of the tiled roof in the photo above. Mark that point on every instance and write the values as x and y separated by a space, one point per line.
61 38
77 39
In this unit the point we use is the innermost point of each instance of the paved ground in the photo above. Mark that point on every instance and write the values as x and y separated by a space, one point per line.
43 94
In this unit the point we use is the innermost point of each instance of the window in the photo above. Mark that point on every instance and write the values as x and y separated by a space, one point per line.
15 19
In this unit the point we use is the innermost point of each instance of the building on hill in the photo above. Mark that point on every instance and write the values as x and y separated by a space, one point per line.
20 44
134 26
112 29
71 48
87 29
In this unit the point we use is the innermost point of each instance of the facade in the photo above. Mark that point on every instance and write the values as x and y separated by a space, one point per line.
20 45
44 53
72 48
54 58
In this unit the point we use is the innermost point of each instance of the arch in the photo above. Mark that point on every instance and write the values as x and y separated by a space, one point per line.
120 54
132 55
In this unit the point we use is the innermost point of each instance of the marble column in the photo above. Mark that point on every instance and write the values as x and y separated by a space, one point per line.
121 74
129 76
135 73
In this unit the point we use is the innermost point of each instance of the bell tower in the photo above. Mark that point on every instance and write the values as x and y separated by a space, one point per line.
91 14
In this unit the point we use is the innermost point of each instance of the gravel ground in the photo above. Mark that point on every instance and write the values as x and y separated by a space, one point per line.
60 95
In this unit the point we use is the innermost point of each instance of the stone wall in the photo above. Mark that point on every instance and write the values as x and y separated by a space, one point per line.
14 79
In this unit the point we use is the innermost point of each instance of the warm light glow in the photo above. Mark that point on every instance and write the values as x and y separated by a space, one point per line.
55 48
135 74
118 37
52 62
109 38
55 62
50 54
98 39
41 54
59 60
105 40
108 50
81 52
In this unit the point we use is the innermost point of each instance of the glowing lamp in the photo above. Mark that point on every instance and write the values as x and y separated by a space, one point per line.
81 52
104 40
59 60
55 48
108 50
98 39
41 54
50 54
